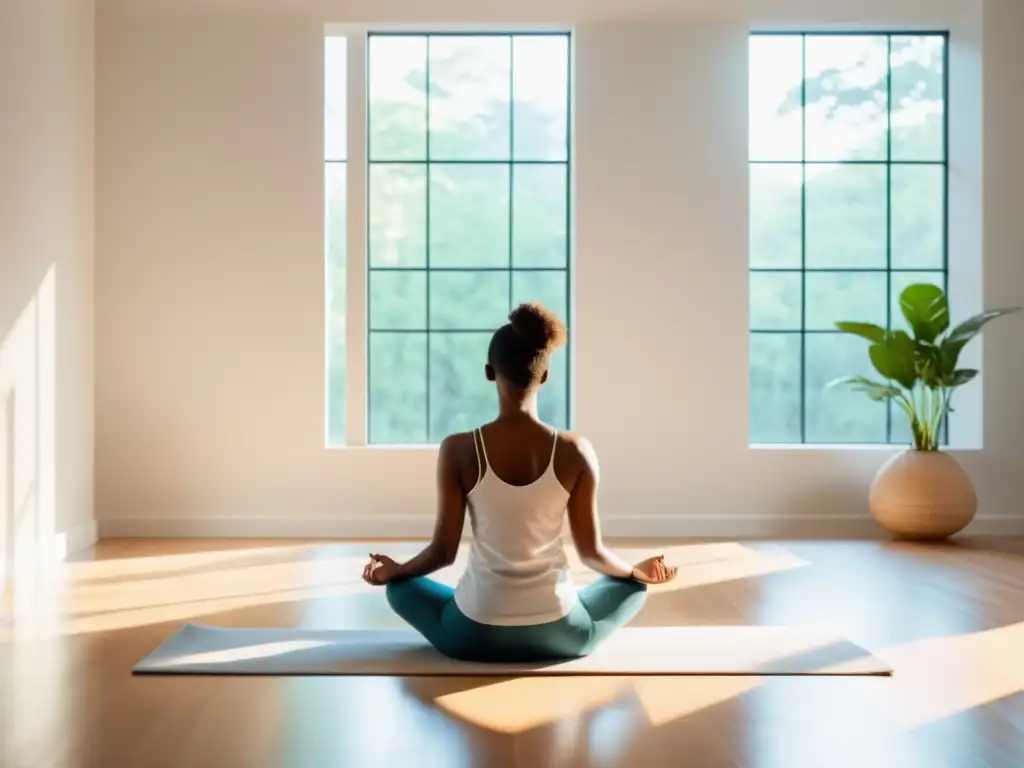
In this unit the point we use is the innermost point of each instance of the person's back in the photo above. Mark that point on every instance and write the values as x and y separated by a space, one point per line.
519 478
518 573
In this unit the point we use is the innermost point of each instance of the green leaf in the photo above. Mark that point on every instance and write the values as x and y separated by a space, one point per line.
928 363
961 377
894 358
965 331
869 331
926 309
969 328
873 389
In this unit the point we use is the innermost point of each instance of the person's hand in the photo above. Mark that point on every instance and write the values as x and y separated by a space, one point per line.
654 571
380 570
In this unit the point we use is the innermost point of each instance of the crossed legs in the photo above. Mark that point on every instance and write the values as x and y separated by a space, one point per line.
429 607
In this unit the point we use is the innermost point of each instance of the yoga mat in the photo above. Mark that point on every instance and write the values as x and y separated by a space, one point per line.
203 650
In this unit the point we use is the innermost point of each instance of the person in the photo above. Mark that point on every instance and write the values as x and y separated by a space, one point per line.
519 479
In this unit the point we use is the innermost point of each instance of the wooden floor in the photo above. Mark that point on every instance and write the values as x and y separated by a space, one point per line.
949 618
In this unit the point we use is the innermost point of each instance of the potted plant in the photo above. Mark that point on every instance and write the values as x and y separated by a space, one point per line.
921 492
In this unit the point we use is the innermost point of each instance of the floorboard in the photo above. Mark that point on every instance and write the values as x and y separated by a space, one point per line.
949 618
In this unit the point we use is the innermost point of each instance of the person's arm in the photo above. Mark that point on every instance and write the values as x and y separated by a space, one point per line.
451 516
583 522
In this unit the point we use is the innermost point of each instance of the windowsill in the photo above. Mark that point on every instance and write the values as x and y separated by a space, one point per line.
825 447
890 447
386 447
877 447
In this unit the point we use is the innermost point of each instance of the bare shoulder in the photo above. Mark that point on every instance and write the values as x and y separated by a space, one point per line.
577 450
456 460
458 447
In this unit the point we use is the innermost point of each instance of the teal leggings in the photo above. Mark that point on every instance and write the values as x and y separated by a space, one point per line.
602 607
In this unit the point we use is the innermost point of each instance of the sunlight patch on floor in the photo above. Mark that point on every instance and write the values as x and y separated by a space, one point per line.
118 594
36 624
939 677
210 585
521 704
665 699
705 564
126 567
752 563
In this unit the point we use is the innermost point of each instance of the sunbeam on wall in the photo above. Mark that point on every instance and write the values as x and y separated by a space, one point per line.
27 436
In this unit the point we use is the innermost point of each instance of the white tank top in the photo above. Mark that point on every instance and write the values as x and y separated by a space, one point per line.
518 573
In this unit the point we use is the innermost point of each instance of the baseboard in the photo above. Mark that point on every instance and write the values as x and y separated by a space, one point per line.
420 526
996 525
389 527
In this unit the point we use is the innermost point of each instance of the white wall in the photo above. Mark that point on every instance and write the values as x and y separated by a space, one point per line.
210 245
46 264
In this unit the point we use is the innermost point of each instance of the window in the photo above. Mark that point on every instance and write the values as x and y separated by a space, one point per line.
467 215
848 205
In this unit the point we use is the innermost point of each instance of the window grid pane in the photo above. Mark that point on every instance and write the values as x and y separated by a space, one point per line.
849 204
483 121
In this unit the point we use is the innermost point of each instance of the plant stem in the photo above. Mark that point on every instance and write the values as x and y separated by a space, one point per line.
926 418
947 394
920 409
904 402
933 402
933 407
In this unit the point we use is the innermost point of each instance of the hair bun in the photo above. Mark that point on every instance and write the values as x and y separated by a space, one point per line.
538 326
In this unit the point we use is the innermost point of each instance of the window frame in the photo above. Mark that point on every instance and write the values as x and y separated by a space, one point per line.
888 270
359 266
